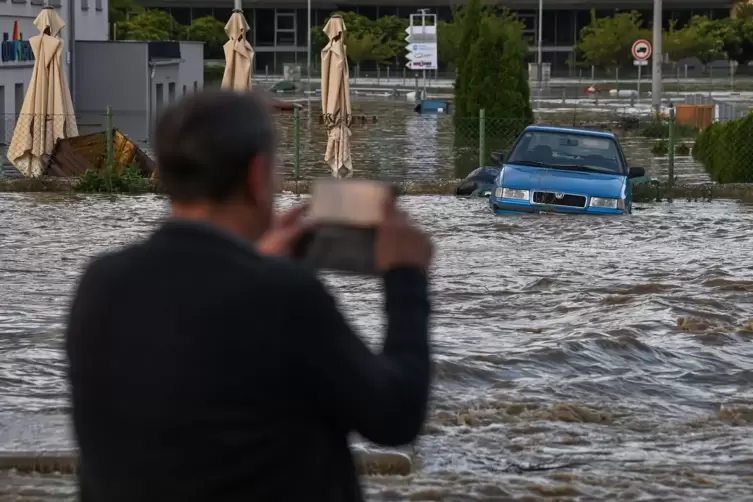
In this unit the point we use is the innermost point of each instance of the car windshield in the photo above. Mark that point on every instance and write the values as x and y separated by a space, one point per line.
568 150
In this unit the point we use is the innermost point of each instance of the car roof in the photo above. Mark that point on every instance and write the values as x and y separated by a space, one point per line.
572 130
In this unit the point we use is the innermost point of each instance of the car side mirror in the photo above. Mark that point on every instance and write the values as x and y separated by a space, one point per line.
636 172
498 156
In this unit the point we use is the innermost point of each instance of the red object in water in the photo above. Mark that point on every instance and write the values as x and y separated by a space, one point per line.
591 89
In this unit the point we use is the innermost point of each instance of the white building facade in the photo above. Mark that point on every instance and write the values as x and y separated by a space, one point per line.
84 19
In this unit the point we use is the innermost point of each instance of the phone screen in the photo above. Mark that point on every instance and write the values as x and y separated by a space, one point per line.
344 217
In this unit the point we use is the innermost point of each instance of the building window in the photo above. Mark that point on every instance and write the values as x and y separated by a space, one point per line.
160 97
284 38
181 14
199 12
565 28
18 1
264 33
37 2
285 27
302 30
171 92
285 22
84 4
19 91
55 3
98 5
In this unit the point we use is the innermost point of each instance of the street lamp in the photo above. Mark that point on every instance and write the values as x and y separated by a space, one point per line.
308 49
538 48
657 57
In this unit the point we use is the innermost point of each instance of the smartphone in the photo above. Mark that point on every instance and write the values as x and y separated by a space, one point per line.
344 216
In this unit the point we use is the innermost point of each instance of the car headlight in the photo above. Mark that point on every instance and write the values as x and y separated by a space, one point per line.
511 193
605 203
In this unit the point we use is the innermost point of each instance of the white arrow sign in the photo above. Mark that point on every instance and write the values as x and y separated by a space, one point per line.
421 47
421 34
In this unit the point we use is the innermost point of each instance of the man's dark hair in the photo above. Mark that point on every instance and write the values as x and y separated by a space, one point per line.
205 142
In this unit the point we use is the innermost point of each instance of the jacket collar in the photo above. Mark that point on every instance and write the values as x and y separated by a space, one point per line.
194 231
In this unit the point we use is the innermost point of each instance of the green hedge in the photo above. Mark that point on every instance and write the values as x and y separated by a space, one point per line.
213 74
726 151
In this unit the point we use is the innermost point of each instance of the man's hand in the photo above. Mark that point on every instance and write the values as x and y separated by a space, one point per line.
285 231
400 243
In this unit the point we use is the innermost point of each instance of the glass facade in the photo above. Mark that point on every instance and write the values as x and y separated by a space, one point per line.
279 35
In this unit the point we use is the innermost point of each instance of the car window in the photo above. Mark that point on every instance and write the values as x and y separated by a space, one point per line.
561 148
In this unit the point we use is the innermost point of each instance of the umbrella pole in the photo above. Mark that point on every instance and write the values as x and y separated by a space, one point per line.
238 5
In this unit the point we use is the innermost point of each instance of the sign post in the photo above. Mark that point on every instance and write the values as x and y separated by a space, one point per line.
641 54
421 43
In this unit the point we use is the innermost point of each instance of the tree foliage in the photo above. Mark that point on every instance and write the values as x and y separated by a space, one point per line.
382 40
365 47
690 42
491 66
719 148
607 42
121 10
151 25
447 42
211 31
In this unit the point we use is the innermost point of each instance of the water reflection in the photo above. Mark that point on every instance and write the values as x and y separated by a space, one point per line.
422 145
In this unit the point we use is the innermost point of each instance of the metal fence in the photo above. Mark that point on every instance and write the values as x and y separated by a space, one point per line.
725 109
396 145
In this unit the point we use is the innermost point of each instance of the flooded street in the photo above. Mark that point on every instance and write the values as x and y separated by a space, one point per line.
393 142
617 351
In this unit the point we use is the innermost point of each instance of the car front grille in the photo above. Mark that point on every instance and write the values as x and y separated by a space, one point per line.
559 199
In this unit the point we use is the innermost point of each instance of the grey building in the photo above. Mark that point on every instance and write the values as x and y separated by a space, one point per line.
279 27
137 79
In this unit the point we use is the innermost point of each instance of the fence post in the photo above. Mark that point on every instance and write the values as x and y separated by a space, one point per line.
297 139
671 153
481 137
109 132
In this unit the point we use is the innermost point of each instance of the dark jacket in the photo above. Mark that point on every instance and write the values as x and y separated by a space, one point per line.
202 371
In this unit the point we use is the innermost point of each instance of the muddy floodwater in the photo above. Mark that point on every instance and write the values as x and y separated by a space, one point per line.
616 351
393 142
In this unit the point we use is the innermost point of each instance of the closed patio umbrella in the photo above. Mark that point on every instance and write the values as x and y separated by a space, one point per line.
336 99
47 112
239 55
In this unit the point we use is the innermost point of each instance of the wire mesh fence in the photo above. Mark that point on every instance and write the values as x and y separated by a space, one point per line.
393 144
726 152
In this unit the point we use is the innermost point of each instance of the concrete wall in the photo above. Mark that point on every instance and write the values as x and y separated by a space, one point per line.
191 67
165 86
120 74
91 21
115 74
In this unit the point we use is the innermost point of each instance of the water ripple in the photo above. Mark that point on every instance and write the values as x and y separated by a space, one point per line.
619 347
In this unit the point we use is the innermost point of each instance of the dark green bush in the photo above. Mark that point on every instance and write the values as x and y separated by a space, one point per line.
123 181
491 76
682 150
726 152
213 74
659 129
660 148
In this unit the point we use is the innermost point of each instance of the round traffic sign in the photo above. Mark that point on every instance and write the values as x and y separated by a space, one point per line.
642 50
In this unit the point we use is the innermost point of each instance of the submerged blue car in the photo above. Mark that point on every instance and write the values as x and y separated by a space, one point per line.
563 170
